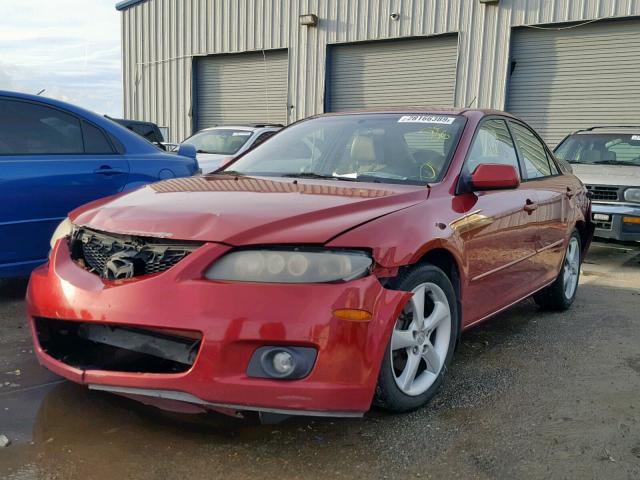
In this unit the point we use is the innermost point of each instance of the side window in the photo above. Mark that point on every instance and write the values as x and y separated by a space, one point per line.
534 156
30 129
94 140
492 144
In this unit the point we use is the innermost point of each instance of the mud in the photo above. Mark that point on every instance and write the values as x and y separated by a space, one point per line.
529 395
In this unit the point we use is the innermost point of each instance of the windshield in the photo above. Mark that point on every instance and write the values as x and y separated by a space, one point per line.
394 148
601 148
219 141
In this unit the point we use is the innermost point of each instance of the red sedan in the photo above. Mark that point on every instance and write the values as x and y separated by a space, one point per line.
333 266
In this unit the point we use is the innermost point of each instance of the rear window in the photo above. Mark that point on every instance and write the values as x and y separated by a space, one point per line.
601 148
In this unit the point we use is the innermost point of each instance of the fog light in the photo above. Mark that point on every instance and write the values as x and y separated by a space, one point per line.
283 363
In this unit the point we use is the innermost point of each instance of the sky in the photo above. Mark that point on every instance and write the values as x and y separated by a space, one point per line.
71 48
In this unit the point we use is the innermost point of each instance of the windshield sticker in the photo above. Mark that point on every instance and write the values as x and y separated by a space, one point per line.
427 119
240 134
635 137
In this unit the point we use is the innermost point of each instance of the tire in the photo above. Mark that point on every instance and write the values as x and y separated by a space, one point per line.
428 350
562 292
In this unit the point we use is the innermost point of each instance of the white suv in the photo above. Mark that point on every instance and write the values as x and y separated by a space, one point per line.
607 160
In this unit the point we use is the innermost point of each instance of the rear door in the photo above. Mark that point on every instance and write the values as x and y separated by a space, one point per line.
498 229
555 197
50 163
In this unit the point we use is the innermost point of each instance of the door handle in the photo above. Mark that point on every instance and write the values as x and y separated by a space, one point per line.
570 192
530 206
108 171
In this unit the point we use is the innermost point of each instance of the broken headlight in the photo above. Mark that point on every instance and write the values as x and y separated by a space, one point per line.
290 266
62 230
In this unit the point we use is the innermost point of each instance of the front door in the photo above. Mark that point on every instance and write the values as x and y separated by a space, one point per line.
498 229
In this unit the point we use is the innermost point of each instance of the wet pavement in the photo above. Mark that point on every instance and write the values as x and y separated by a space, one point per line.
529 395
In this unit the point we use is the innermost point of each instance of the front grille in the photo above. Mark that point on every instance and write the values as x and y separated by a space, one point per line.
602 225
604 192
117 257
117 348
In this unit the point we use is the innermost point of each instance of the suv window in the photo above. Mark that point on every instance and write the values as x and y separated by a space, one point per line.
492 144
30 129
94 140
532 151
601 148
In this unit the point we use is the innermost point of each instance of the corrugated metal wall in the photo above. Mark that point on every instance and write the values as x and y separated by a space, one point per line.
395 72
569 79
160 37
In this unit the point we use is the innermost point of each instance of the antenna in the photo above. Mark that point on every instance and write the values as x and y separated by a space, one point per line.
41 91
472 101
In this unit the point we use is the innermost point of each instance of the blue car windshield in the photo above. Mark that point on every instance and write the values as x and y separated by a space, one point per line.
384 148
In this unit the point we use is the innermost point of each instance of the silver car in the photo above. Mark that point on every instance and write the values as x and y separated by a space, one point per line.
607 160
217 146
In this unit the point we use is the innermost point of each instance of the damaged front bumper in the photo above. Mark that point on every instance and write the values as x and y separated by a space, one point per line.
176 339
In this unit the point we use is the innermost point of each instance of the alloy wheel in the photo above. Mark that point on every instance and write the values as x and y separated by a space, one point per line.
571 268
420 340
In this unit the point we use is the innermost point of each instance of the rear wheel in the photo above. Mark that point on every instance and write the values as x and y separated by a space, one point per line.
422 341
562 292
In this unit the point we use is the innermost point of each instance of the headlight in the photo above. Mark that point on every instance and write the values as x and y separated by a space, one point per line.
290 266
61 231
632 195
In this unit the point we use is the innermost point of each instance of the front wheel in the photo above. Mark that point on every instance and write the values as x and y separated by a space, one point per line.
422 341
561 293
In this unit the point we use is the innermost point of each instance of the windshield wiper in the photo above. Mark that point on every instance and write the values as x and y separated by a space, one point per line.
317 175
231 172
614 162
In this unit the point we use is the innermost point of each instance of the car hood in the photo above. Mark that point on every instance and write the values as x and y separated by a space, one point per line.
616 175
247 210
210 162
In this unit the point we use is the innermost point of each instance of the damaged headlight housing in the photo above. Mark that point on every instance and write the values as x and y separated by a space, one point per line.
64 229
290 266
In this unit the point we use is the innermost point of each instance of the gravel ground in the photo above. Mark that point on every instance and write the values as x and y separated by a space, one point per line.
529 395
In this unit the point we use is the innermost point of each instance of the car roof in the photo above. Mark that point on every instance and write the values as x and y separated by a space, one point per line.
607 129
54 103
132 141
468 112
248 128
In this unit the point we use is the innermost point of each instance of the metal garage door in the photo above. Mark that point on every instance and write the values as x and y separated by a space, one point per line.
241 88
568 79
392 73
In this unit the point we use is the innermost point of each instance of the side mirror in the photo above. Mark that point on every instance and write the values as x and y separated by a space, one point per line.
494 176
187 150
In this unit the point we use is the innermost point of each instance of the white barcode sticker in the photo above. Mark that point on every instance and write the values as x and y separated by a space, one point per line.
443 120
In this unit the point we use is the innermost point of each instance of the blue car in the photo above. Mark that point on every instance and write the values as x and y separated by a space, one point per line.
55 157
